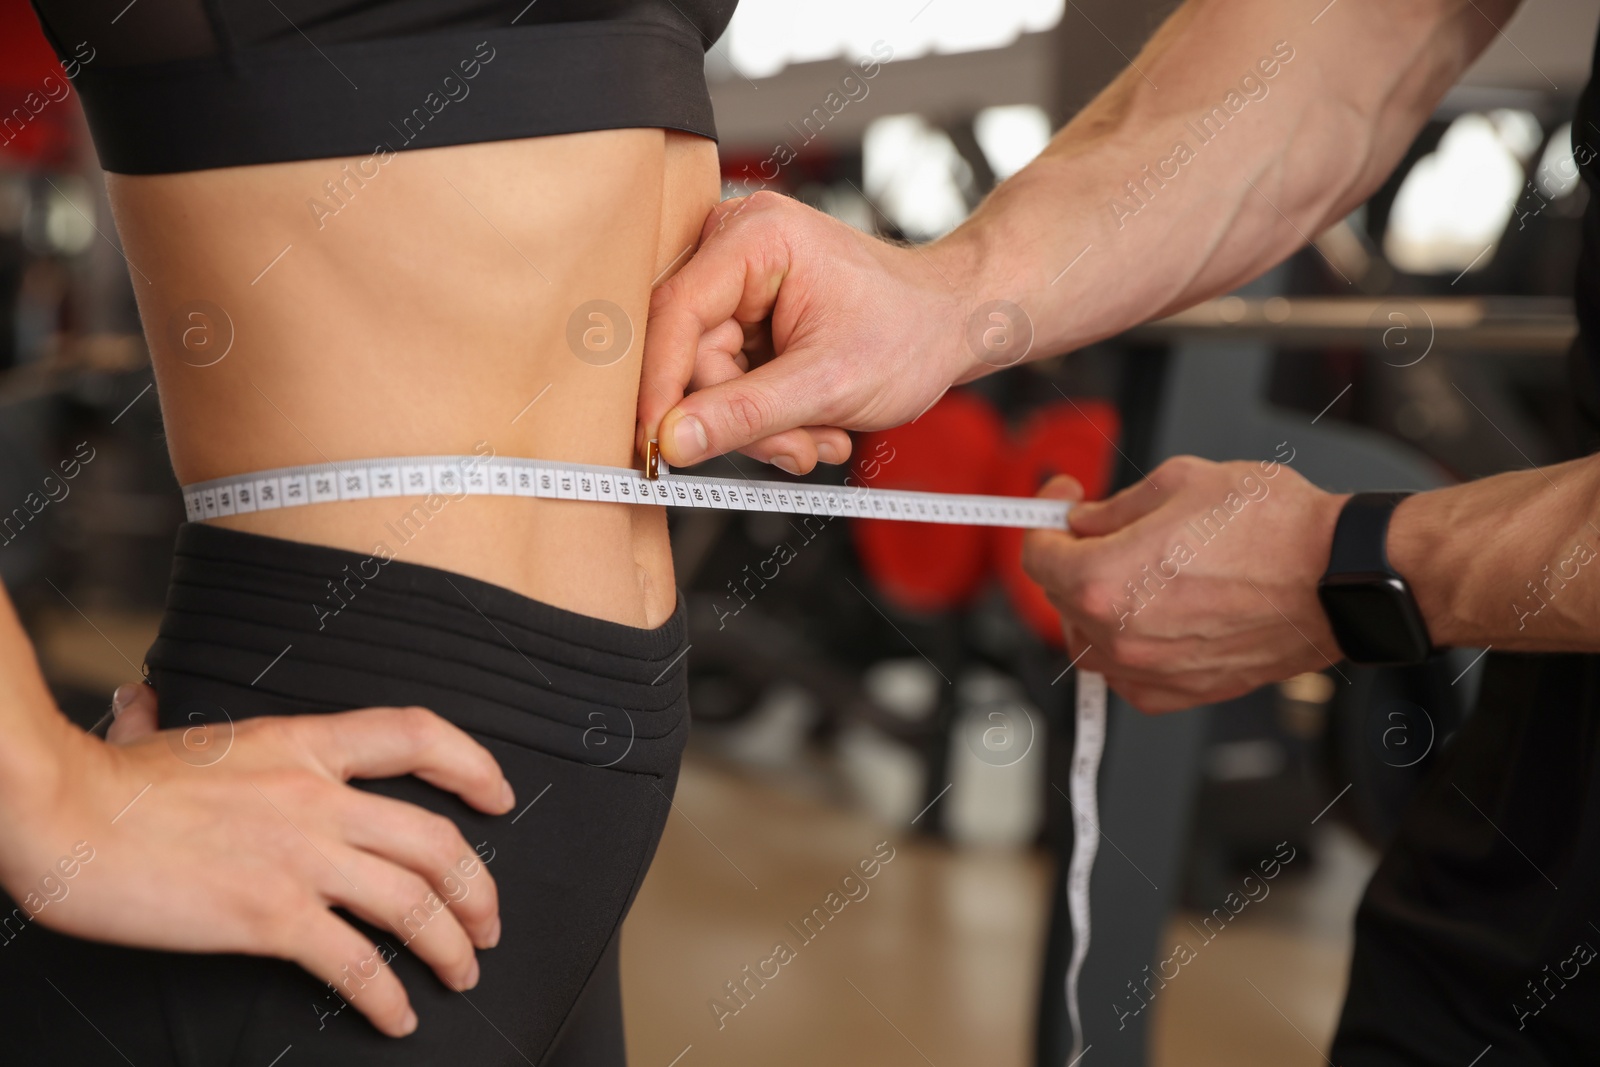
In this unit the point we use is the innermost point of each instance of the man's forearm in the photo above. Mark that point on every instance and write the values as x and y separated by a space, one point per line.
1243 129
1511 561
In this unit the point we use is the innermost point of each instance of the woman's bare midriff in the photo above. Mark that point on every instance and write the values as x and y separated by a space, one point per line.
437 301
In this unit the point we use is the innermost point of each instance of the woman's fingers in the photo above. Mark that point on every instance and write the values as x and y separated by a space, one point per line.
356 969
383 742
133 713
388 742
389 863
397 900
300 841
432 847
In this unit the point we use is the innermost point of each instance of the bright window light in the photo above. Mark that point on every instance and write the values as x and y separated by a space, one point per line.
1011 136
1557 174
69 211
1519 131
767 35
1454 204
915 175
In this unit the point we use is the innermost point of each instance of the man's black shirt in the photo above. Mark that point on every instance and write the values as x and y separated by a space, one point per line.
1478 940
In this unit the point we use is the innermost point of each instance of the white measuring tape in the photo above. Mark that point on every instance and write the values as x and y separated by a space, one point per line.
290 487
1088 742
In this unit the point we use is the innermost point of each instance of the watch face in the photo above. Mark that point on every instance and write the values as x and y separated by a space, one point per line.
1374 618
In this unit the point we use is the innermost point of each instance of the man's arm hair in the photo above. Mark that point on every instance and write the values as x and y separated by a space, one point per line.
1511 561
1242 129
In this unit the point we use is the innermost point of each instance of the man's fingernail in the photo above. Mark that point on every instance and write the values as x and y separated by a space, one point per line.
508 796
494 934
409 1023
827 452
123 697
690 437
473 975
786 463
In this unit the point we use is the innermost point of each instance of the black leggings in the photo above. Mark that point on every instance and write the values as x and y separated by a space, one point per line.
586 717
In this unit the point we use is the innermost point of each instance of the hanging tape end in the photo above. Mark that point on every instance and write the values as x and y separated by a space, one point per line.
653 467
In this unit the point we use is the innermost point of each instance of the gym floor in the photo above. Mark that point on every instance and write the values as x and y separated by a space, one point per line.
938 963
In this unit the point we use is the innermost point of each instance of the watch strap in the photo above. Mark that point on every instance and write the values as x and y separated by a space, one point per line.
1360 536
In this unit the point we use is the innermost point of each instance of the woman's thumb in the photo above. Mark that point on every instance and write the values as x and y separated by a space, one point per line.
133 710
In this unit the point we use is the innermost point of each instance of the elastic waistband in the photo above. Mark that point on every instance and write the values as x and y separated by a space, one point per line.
324 629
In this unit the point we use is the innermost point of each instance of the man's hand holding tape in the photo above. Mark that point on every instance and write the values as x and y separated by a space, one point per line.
787 326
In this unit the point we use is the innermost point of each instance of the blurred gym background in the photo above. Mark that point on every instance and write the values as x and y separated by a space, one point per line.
855 684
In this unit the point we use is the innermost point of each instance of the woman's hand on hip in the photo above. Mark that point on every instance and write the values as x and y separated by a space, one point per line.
242 837
788 327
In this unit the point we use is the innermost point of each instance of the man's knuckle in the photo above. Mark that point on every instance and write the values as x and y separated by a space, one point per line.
1137 697
1173 465
1134 654
747 413
1091 600
767 200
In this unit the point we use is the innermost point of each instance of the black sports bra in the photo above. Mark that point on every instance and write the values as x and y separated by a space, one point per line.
179 85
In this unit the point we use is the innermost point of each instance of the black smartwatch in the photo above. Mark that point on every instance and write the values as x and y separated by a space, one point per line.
1370 607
